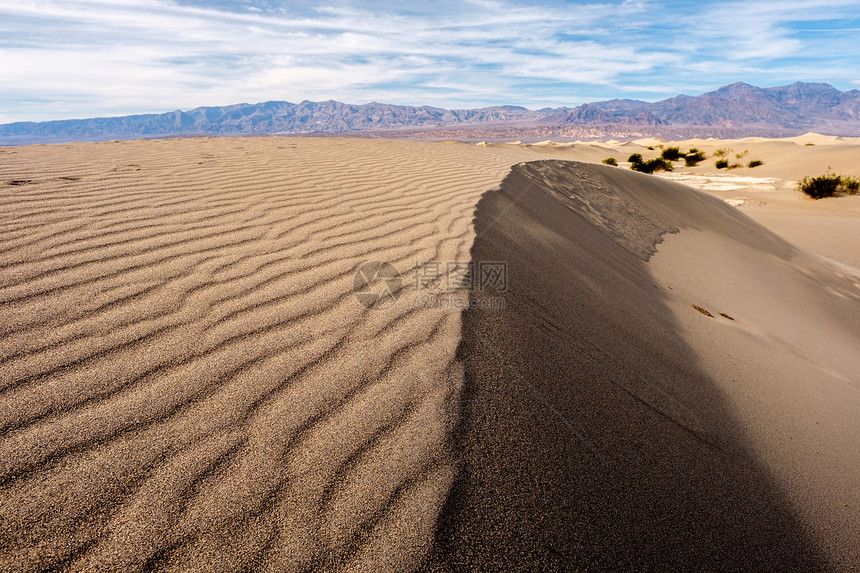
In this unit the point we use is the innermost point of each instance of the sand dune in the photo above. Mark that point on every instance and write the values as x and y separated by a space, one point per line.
766 193
187 379
189 382
668 387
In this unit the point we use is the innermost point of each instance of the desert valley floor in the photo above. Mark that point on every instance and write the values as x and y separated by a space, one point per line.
196 376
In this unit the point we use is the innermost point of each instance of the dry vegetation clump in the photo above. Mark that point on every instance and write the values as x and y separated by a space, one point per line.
828 185
702 310
671 154
650 166
693 157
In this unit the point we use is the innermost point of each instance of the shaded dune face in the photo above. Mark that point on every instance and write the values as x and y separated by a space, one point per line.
591 438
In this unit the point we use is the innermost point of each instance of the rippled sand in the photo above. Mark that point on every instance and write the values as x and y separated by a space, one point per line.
189 382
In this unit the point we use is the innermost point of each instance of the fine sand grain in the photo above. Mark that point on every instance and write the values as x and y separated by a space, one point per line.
189 381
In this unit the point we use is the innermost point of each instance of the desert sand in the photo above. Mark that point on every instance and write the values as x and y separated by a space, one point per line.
189 381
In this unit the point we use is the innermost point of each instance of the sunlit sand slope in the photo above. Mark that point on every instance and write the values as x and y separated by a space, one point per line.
186 379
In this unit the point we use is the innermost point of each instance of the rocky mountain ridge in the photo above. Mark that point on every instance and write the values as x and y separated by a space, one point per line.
739 108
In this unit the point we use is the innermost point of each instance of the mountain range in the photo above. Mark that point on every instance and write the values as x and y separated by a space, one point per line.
736 110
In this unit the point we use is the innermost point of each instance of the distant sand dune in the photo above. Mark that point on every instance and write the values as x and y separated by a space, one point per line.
188 382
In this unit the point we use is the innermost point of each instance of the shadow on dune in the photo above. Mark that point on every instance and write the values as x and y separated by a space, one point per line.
591 440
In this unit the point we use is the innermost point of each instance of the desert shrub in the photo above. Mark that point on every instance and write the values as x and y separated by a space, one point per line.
722 152
657 164
819 187
755 163
671 154
810 145
693 157
639 164
742 155
642 167
828 185
851 185
721 163
610 161
660 164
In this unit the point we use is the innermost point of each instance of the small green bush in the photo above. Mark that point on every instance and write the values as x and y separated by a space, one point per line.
851 185
610 161
642 167
819 187
828 185
722 152
693 157
671 154
721 163
755 163
657 164
742 155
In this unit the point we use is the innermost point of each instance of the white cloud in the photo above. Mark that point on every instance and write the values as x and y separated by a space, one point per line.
98 57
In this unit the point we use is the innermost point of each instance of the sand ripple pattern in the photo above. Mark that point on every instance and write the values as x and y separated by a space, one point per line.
187 382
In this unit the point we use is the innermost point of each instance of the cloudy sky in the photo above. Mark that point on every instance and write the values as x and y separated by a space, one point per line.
83 58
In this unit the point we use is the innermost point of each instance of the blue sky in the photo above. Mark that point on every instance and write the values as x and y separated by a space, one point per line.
84 58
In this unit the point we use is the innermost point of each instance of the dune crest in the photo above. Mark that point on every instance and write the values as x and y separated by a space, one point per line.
606 426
